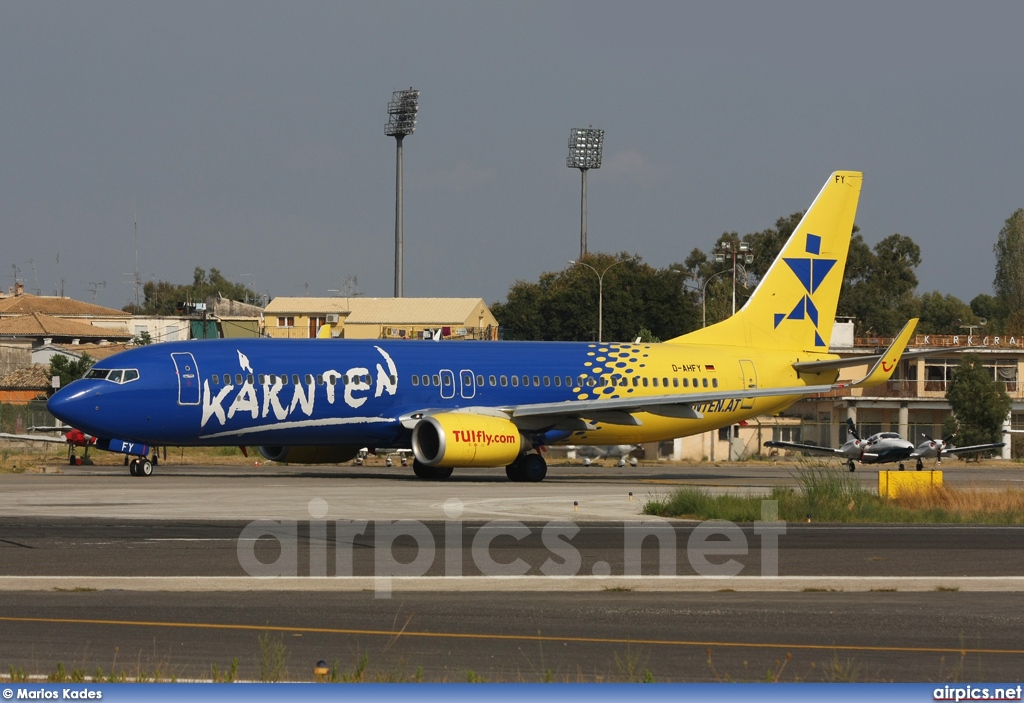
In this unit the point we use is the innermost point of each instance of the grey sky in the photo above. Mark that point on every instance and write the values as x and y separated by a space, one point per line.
250 136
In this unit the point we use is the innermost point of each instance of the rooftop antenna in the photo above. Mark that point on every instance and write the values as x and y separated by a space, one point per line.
138 303
93 287
349 288
136 279
35 276
57 268
255 295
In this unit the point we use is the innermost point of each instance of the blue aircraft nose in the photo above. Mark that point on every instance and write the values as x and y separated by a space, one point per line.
74 405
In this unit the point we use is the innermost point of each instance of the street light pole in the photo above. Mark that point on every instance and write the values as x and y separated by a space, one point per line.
733 247
600 292
704 297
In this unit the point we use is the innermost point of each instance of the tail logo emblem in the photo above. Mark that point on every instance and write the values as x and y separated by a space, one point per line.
811 272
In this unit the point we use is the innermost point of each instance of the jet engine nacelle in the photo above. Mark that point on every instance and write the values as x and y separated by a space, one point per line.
466 439
329 454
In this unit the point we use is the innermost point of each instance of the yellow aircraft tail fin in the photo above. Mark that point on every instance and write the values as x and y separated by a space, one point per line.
794 305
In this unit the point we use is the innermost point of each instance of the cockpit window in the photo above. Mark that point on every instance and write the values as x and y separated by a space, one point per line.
114 375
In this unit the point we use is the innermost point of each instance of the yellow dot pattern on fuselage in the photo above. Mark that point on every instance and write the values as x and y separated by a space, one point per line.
617 359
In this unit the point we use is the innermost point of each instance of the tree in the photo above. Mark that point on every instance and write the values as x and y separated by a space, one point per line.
979 402
69 370
563 305
878 288
1009 280
991 310
944 314
165 298
142 339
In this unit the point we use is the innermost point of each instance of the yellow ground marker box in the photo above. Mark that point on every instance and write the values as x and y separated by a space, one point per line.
891 484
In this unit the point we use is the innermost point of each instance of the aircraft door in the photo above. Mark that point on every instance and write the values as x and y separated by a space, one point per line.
188 378
447 383
467 383
749 381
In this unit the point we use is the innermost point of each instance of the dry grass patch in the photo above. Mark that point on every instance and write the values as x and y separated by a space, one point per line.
964 500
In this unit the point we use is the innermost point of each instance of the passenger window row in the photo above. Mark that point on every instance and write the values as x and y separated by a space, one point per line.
583 381
295 379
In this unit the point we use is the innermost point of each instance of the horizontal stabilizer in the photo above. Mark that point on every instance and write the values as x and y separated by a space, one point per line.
847 362
886 365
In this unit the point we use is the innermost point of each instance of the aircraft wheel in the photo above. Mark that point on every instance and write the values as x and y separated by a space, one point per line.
514 471
145 467
534 468
421 470
133 467
73 460
853 467
156 460
441 473
431 473
902 467
920 465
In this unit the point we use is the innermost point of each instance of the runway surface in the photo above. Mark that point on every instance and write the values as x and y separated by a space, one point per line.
172 559
148 548
379 493
611 636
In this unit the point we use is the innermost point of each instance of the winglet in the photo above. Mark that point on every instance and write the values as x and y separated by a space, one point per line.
885 366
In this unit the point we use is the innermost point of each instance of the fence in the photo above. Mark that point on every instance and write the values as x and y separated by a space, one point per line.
17 419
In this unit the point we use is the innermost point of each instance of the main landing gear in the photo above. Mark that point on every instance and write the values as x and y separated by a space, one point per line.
853 467
527 468
430 473
140 466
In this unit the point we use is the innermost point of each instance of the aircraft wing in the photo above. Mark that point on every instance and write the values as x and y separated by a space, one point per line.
677 405
804 447
616 411
972 448
33 438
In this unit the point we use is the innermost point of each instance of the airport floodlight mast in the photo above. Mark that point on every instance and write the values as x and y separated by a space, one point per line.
585 147
402 110
725 248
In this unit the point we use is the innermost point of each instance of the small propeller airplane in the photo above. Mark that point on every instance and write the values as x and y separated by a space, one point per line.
884 448
938 448
591 453
72 437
